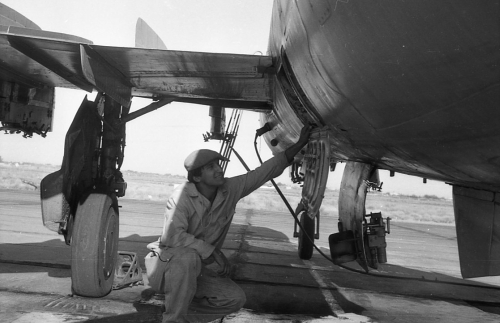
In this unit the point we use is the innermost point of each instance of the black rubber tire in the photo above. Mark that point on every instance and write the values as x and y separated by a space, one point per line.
306 244
94 246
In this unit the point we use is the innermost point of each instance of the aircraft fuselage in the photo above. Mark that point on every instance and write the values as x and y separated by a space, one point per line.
412 87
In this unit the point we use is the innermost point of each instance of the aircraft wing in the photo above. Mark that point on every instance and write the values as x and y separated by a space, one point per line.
40 59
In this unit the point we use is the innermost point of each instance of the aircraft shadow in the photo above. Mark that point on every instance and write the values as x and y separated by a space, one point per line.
265 265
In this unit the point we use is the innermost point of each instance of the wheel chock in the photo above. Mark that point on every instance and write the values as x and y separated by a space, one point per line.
127 270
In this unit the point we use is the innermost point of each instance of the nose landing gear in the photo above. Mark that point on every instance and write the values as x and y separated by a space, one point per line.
308 232
316 165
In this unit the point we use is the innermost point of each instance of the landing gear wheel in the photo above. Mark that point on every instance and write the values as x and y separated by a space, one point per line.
306 245
94 246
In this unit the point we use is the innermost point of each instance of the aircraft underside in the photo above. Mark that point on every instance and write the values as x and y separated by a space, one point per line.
407 87
411 88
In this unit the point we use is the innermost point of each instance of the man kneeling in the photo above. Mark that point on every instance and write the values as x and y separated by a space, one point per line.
197 219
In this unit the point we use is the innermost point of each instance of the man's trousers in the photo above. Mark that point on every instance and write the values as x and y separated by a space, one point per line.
193 293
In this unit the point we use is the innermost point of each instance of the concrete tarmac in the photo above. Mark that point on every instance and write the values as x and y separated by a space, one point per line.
420 283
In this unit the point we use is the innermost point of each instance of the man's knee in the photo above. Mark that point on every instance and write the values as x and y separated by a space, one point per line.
236 299
240 299
184 265
175 263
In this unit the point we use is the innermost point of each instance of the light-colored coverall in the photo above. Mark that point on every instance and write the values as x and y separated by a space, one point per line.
193 228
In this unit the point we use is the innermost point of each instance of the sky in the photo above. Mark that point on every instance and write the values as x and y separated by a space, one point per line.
160 141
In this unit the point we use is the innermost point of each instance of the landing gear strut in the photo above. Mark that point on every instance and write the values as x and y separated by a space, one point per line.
358 238
316 165
80 200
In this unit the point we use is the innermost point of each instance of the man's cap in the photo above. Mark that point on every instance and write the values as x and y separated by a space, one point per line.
201 157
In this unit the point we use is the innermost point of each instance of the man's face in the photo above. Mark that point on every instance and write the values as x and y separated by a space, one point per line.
211 174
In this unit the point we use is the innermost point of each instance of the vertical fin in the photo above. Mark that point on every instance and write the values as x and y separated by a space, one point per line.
146 37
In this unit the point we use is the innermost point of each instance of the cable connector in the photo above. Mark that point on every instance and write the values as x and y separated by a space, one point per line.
263 130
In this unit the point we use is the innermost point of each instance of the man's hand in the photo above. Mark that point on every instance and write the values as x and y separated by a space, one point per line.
221 260
305 133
